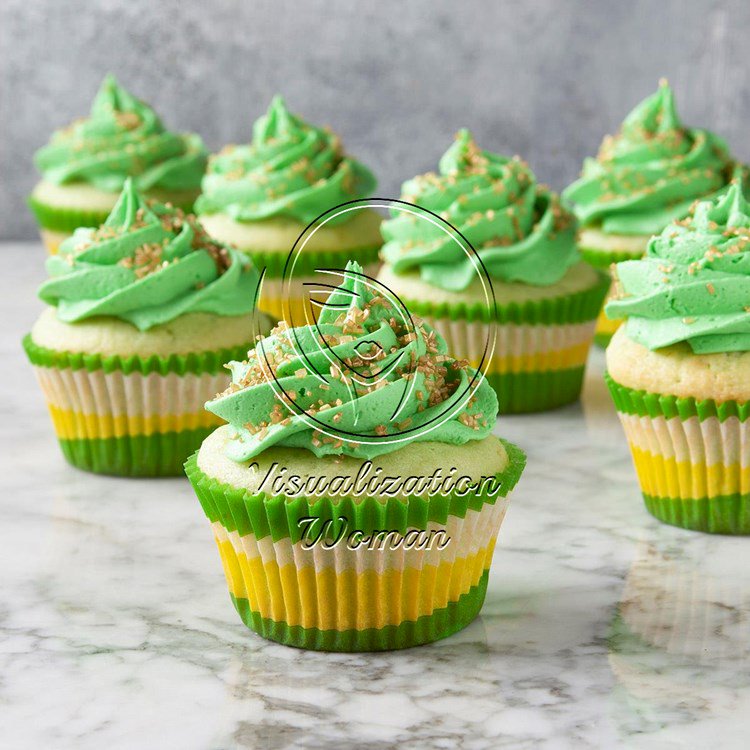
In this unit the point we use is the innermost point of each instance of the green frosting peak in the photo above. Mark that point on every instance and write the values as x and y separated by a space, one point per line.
121 138
290 168
650 172
694 283
520 231
147 264
364 379
655 117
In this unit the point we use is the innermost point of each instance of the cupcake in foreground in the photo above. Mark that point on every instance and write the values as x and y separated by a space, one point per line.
85 165
357 491
545 299
260 196
679 369
643 178
144 311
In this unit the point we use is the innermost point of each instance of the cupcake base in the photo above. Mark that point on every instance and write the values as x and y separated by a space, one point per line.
440 624
690 457
370 595
130 416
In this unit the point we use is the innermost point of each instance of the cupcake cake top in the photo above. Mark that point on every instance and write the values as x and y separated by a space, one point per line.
650 172
518 227
290 168
122 137
693 284
365 379
147 264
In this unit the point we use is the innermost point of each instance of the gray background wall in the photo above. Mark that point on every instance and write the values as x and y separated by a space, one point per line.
541 78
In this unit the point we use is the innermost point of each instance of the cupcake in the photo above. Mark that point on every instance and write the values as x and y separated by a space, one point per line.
545 299
679 369
356 492
643 178
143 312
260 197
85 165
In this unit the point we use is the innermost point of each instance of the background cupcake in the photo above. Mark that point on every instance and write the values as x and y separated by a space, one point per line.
546 299
678 369
643 178
368 392
85 165
260 197
144 312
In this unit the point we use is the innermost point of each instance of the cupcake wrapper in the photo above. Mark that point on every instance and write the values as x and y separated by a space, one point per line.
278 297
344 597
603 259
540 347
130 416
691 458
65 219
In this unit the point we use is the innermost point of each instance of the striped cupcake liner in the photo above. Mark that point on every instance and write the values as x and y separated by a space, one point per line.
691 458
540 350
130 416
603 259
372 595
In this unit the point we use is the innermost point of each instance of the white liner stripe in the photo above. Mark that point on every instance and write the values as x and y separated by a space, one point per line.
467 339
133 394
467 537
706 442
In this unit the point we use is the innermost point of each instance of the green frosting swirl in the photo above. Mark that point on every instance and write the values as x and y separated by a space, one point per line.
520 231
147 264
291 168
650 172
694 283
122 137
364 380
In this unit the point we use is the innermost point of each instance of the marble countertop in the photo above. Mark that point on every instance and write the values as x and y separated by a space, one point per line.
602 628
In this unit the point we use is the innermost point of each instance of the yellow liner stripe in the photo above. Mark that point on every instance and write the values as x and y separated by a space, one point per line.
666 477
560 359
348 600
605 325
72 425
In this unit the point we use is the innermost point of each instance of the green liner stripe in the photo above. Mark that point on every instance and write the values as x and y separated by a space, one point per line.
195 363
572 308
307 263
530 391
278 516
645 404
722 514
69 219
439 624
161 454
605 258
603 339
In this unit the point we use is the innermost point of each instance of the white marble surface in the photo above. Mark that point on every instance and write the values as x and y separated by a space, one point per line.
602 628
